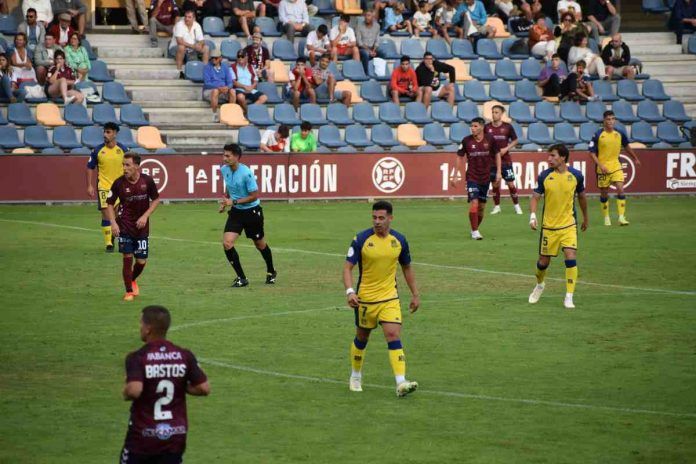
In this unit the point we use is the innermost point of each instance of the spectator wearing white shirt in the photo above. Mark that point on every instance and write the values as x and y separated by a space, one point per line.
318 44
422 19
188 39
44 11
443 19
343 41
294 18
581 52
276 141
569 5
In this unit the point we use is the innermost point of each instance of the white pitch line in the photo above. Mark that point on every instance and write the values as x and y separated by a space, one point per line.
322 253
534 402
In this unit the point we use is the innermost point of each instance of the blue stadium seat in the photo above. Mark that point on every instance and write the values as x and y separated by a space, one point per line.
258 115
620 127
458 97
115 93
284 113
451 148
428 148
488 49
99 72
595 111
474 90
669 132
132 115
36 137
691 46
443 112
249 136
270 90
521 113
546 112
521 138
628 90
565 133
662 145
326 7
417 113
526 90
323 149
77 115
9 138
538 132
387 50
624 112
141 151
346 149
648 111
214 27
316 21
439 49
500 90
571 112
588 130
193 71
481 70
690 124
356 135
412 48
507 45
211 45
267 26
531 147
505 69
23 95
229 49
372 92
52 151
125 137
435 134
165 151
592 45
364 113
284 50
530 69
674 110
654 6
467 111
337 113
390 113
604 91
8 25
653 89
3 119
383 136
581 146
103 113
373 75
65 137
329 136
88 48
92 136
643 132
354 71
686 144
458 131
336 72
312 112
93 99
20 114
462 48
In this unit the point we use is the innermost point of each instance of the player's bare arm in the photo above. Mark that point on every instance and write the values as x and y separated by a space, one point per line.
533 202
110 213
142 220
351 297
582 200
90 183
498 168
132 390
410 277
457 171
633 155
202 389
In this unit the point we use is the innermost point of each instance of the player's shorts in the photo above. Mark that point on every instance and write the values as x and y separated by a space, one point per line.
344 49
476 191
506 171
551 241
368 315
168 458
605 180
102 195
138 247
249 220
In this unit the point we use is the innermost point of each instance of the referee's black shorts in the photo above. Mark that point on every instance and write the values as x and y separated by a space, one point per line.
249 220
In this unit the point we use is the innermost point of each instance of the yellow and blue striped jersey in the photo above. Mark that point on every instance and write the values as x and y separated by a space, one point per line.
607 146
109 162
376 258
559 191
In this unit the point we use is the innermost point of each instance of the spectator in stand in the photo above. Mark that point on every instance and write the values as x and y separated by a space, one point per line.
322 75
131 6
62 30
343 40
301 83
76 9
34 30
8 84
570 6
552 77
294 18
565 34
245 82
470 17
422 19
304 141
77 58
163 16
683 18
243 16
443 19
404 82
367 36
201 9
44 56
617 57
507 9
22 67
394 19
3 7
42 8
276 141
576 88
428 75
271 7
217 82
318 44
541 41
593 62
187 39
603 18
60 81
259 58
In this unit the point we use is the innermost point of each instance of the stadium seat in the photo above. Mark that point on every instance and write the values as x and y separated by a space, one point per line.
132 115
582 146
571 112
488 49
667 131
149 137
467 111
349 7
412 48
270 90
337 113
326 8
311 112
654 90
497 23
103 113
284 113
36 137
443 112
462 48
686 145
99 72
587 131
521 138
20 114
3 119
390 113
65 137
329 136
214 27
409 135
531 147
427 148
654 6
458 96
8 24
500 90
530 69
674 111
52 151
267 26
354 71
336 72
435 134
474 90
316 21
193 71
284 50
439 49
624 112
526 90
115 93
628 90
648 111
23 94
373 75
229 49
505 69
23 151
233 115
348 86
387 50
521 113
538 132
417 113
77 115
565 133
9 138
620 127
604 91
383 136
595 111
364 113
92 136
48 114
488 111
546 112
125 137
258 115
518 55
372 92
481 70
90 88
458 131
643 132
461 69
662 145
250 137
691 46
356 135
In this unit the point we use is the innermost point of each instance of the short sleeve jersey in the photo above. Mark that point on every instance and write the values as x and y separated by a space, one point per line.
607 146
559 190
108 162
343 38
377 258
480 157
134 199
240 184
503 135
158 422
274 143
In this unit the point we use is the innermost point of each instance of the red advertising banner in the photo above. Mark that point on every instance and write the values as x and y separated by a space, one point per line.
42 178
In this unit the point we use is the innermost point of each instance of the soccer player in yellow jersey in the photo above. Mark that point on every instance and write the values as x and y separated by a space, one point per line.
559 184
377 251
107 158
605 148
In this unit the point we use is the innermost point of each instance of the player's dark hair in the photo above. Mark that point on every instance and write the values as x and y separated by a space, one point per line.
345 18
323 29
306 125
562 151
382 205
427 53
607 113
555 55
284 131
58 53
134 156
581 63
234 149
301 59
31 10
405 59
421 4
110 125
499 107
158 318
479 121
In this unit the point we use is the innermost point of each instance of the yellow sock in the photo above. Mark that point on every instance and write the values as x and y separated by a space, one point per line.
106 230
621 205
571 274
604 203
540 273
357 355
397 358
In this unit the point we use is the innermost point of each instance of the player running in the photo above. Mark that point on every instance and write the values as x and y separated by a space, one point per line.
558 184
605 148
246 214
506 139
108 159
138 198
480 151
376 251
158 377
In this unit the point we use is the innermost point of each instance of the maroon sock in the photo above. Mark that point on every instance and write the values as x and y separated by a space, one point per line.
513 194
128 273
496 195
480 218
473 219
137 270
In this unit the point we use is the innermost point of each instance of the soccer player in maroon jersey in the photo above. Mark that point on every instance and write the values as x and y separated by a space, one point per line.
480 150
138 197
505 138
158 377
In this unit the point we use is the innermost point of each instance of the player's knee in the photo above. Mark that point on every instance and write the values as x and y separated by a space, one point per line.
260 244
228 244
473 208
392 335
543 263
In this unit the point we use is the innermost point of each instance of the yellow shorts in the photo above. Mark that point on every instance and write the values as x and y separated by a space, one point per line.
553 240
368 315
605 180
102 195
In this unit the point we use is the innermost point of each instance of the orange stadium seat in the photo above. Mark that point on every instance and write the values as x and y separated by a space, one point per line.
232 115
149 137
500 31
280 72
461 69
349 7
409 135
348 86
48 114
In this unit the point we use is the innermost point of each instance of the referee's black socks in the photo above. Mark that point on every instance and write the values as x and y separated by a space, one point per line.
233 258
268 257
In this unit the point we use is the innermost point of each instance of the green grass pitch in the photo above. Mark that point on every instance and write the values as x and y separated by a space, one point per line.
502 381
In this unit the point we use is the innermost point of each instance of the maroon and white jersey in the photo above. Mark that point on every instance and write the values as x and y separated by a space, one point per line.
503 135
134 199
480 157
158 422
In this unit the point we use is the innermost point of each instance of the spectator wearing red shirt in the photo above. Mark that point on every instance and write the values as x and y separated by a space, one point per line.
63 30
60 80
259 58
301 83
163 15
404 82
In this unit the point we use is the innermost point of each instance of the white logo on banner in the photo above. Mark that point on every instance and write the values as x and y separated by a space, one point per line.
388 175
629 170
158 172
